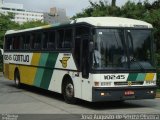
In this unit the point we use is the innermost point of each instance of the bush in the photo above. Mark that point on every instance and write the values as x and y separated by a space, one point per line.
1 62
158 77
158 69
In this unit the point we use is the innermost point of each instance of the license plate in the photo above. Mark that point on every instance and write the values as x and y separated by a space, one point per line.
128 92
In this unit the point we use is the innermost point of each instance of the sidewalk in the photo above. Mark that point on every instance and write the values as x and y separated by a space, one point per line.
1 73
158 95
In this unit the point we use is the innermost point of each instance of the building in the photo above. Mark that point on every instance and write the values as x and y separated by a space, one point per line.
56 15
21 15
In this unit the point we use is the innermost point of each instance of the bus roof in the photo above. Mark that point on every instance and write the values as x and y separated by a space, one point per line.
97 22
113 22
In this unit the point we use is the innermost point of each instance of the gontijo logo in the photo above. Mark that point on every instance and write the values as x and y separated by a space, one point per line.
64 61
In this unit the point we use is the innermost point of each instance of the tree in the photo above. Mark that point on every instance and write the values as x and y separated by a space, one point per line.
102 8
113 3
6 24
32 24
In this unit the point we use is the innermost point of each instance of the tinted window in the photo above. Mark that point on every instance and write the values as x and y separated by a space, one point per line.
51 40
60 38
67 43
32 39
16 42
82 31
27 42
37 41
79 32
44 38
22 39
8 43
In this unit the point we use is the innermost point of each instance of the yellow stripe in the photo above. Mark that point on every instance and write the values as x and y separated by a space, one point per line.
35 58
12 68
28 72
149 77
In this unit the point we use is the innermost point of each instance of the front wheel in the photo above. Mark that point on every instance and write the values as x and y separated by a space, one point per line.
17 79
68 92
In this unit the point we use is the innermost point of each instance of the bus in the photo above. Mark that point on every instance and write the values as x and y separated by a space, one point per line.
94 59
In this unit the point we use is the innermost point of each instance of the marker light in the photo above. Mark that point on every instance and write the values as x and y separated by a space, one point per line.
96 83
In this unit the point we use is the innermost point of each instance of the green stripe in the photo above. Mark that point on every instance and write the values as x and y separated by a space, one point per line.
132 77
47 75
141 77
40 71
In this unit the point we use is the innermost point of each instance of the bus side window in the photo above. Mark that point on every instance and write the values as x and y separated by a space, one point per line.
44 39
8 43
67 43
32 39
16 42
27 43
22 38
60 37
51 40
82 30
37 44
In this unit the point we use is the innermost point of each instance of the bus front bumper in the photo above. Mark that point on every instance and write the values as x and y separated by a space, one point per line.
123 93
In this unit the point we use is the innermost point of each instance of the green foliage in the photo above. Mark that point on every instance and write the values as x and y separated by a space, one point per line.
1 62
102 8
158 69
7 24
133 10
32 24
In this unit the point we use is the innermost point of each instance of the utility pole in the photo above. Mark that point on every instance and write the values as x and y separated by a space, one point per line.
113 3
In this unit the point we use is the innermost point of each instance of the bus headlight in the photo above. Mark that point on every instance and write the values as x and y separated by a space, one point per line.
96 84
151 82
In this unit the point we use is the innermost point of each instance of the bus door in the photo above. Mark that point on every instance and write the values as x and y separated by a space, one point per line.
85 81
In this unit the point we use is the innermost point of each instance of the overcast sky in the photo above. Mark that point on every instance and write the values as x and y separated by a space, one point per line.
72 6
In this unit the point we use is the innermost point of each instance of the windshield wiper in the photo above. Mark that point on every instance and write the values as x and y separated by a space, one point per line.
133 60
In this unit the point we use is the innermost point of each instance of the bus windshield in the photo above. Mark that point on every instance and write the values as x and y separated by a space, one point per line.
122 49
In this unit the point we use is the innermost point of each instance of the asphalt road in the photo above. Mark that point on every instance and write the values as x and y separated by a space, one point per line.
31 100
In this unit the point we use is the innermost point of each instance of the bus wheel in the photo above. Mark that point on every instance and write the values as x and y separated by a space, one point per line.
17 79
68 92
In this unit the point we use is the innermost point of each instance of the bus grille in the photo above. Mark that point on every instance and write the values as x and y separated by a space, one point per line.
128 83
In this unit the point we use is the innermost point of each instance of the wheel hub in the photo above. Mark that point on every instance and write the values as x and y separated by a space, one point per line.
69 90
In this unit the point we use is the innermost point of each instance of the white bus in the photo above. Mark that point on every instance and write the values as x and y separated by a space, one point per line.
93 59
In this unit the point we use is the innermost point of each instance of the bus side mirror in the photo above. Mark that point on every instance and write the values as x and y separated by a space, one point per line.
1 51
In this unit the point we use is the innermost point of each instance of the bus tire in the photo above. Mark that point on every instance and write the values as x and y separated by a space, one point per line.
17 79
68 92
